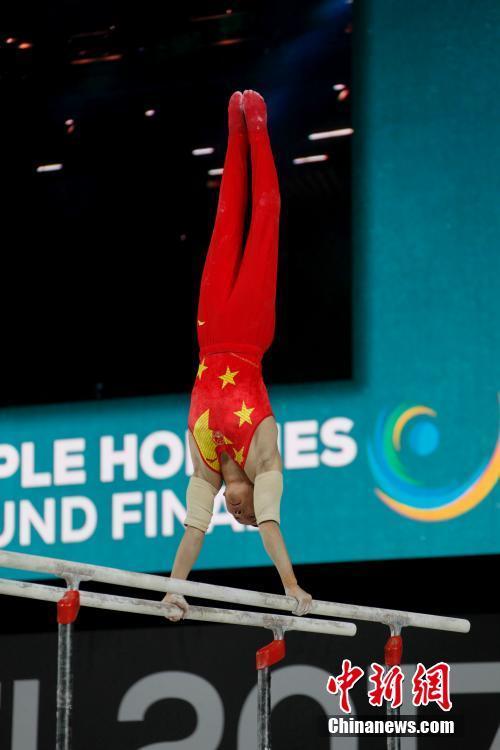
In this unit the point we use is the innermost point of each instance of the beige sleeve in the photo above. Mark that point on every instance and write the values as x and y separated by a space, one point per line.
267 492
200 503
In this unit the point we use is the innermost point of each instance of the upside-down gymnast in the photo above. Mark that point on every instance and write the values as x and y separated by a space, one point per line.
232 429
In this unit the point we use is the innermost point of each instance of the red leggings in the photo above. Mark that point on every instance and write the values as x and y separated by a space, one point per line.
236 310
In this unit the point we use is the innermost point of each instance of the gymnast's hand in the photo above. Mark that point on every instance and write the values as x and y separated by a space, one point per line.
178 601
304 600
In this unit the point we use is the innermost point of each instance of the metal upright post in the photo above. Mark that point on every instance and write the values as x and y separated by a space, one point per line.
67 612
266 657
392 652
264 708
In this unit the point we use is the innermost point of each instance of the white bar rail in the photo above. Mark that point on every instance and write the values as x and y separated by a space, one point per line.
273 622
85 572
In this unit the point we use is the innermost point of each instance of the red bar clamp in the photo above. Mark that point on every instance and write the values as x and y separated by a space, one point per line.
271 654
68 607
393 651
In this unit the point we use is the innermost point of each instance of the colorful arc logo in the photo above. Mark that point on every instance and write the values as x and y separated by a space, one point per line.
406 495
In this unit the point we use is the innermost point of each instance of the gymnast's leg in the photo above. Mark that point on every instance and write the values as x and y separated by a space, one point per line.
224 253
254 293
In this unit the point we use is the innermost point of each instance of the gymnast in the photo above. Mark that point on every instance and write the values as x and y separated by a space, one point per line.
232 429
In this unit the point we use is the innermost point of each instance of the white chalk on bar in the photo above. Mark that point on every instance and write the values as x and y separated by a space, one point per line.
115 603
85 572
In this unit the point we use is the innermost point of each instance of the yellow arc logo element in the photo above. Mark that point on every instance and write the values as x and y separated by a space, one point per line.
403 420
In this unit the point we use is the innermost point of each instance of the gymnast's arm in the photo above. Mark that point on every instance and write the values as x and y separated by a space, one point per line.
268 488
202 489
186 556
275 547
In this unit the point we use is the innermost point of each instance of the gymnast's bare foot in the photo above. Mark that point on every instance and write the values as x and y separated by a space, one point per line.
236 117
255 111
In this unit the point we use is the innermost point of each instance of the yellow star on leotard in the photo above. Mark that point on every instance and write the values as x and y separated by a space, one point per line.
238 455
201 322
228 377
244 414
201 368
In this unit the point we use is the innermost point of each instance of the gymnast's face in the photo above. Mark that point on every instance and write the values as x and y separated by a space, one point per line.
239 501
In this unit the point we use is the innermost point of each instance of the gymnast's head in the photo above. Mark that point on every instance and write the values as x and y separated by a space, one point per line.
238 493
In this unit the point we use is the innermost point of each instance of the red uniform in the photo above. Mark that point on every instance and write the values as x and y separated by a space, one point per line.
236 311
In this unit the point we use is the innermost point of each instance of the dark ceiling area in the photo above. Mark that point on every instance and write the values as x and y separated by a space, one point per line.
108 213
